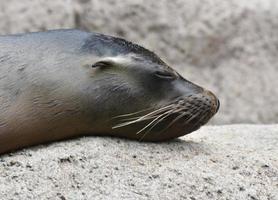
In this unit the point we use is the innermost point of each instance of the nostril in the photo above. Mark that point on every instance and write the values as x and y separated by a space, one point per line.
218 105
213 99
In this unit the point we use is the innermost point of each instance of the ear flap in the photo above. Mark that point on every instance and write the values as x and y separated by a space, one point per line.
110 62
101 64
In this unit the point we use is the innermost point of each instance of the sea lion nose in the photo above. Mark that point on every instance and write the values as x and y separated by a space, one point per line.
215 103
218 105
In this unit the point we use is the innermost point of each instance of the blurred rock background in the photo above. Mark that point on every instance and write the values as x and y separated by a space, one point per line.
227 46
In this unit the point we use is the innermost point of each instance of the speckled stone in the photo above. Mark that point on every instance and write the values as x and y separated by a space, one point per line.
236 162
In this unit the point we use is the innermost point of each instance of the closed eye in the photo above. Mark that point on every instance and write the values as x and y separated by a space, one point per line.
165 75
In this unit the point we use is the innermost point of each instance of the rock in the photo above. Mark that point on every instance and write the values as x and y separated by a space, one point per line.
26 16
216 162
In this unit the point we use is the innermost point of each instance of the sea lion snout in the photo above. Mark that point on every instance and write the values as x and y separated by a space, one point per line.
214 101
196 109
197 96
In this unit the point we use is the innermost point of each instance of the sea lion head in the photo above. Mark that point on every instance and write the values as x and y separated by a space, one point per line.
142 97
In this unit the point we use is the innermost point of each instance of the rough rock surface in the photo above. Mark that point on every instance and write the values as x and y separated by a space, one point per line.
35 15
216 162
228 46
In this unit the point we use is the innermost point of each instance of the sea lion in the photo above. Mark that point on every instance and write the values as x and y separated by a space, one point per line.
65 83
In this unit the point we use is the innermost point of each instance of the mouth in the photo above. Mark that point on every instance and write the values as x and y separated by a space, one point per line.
179 117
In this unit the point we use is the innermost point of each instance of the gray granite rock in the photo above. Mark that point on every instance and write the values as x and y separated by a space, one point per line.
236 162
24 16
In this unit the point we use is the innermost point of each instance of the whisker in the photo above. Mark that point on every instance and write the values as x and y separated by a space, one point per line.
158 110
203 117
153 121
151 116
176 119
193 116
160 120
128 123
148 116
130 114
